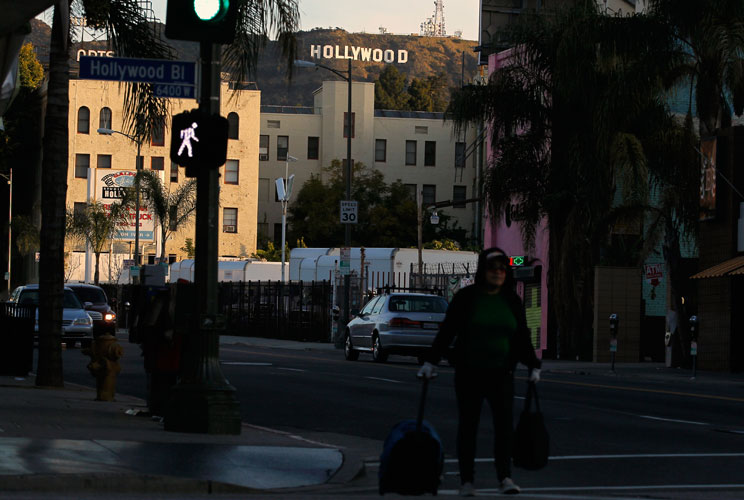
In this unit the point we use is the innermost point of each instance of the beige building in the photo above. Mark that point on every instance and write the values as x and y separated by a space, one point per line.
417 148
99 161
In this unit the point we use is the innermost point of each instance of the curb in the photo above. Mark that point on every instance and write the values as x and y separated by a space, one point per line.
116 483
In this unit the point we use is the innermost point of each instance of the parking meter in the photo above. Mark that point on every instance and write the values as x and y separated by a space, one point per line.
668 339
693 327
335 313
614 323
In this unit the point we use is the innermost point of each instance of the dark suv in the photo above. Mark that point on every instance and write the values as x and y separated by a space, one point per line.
97 305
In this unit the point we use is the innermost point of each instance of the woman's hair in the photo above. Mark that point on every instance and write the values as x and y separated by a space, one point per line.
485 258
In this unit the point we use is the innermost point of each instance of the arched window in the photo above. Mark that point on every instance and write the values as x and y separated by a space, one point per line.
104 118
232 125
83 120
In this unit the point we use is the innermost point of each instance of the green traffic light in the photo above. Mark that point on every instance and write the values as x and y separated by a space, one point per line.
211 10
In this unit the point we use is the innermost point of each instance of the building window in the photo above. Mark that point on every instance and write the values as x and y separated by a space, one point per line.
230 220
231 172
273 124
459 155
346 124
233 125
430 153
172 258
264 192
411 191
458 196
104 118
282 147
174 172
79 210
429 194
82 163
421 130
410 152
263 147
103 161
313 148
157 163
262 230
278 234
380 149
83 125
158 135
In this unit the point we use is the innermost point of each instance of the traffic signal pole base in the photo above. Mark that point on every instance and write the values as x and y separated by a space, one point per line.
203 409
203 401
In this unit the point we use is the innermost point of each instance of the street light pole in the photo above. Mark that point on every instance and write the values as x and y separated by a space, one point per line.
285 200
9 178
138 167
346 75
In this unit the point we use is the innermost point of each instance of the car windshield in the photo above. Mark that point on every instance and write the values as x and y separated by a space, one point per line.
69 300
92 295
413 303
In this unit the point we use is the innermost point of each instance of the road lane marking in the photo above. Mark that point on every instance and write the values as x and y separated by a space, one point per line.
244 363
291 369
640 389
608 457
673 420
385 380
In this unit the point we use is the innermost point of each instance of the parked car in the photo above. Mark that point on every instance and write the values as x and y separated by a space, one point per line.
97 304
395 323
77 325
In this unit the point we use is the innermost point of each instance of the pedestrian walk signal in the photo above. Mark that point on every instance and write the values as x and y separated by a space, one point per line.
198 140
201 20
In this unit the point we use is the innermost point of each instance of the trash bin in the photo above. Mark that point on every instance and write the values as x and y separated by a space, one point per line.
17 327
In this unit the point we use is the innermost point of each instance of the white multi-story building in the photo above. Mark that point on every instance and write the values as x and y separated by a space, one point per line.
418 148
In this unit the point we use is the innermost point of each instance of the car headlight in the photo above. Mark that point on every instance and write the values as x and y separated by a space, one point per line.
86 321
109 317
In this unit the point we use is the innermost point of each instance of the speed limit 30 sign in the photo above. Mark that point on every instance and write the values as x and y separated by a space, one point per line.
348 212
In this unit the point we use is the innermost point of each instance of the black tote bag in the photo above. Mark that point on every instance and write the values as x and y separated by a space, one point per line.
531 446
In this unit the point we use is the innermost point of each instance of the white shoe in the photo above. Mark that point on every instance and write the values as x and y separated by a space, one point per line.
467 490
508 487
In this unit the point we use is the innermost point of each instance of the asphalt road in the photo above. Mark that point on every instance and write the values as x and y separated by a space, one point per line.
609 436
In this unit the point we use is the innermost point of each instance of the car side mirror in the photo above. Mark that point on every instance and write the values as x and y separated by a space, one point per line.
87 305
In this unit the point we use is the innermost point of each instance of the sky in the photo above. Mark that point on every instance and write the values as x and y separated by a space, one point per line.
399 17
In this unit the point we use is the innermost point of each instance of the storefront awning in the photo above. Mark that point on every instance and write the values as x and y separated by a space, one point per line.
730 267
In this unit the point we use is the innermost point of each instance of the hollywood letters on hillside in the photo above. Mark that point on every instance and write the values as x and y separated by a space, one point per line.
388 56
110 188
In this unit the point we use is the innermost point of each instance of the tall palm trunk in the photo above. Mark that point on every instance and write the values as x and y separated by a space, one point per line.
53 193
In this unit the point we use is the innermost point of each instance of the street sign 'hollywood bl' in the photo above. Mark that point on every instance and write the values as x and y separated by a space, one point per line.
198 140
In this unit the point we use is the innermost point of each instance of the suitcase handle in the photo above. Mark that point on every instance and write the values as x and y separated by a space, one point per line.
422 404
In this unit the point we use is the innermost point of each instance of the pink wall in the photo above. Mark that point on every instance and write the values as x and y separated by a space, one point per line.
509 238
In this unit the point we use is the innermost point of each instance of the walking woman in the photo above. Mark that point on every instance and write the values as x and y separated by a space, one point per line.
488 324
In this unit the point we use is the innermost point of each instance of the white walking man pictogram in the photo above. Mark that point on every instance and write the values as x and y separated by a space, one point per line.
187 135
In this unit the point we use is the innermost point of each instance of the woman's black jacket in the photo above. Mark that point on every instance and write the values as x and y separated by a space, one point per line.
454 327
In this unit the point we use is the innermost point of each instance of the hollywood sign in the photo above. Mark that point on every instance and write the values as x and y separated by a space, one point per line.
358 53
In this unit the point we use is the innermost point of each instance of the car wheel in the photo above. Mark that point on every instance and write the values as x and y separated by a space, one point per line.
378 353
349 352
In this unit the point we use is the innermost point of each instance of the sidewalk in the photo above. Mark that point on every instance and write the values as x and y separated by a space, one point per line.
61 440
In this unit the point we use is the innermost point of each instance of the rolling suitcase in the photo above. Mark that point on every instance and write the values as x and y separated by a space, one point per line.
412 456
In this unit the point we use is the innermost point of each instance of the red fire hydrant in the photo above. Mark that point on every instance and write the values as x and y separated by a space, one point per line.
104 365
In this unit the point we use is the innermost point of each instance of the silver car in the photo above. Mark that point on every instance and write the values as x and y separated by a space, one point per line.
395 323
77 325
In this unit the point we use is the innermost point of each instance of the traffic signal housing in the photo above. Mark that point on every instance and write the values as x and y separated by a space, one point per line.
201 20
198 140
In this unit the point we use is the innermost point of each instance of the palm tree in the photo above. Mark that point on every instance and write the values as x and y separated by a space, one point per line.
98 225
572 113
130 35
710 37
172 209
